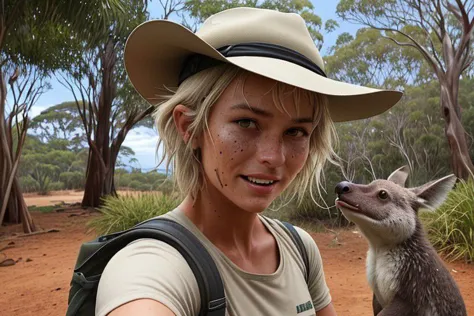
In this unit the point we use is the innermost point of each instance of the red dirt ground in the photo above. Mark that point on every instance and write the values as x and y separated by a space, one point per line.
38 284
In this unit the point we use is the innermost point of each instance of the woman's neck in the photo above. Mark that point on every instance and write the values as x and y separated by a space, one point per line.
239 234
222 222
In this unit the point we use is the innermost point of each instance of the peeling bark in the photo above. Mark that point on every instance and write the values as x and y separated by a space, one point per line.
461 163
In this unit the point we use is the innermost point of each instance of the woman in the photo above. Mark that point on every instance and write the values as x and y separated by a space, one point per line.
251 119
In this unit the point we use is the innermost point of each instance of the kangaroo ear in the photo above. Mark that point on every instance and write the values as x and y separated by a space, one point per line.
432 194
399 176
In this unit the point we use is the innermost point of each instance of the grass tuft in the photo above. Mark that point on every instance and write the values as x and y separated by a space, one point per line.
43 209
125 211
451 227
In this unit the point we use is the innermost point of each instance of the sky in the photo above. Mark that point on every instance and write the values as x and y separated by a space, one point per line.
143 141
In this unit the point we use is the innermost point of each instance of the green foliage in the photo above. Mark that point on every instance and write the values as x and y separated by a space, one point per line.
28 184
411 133
371 60
42 173
58 123
72 180
36 31
165 186
125 211
150 181
311 214
43 209
451 227
51 166
56 186
139 186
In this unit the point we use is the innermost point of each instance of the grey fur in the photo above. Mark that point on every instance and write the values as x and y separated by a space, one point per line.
404 271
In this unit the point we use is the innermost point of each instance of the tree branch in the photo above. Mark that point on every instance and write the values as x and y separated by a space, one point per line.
432 61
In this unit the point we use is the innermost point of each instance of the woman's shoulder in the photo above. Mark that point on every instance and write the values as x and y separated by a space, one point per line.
152 269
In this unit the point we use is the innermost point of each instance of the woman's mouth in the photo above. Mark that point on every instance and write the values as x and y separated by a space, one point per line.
257 181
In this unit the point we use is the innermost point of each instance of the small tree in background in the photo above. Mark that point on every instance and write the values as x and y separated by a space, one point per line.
30 47
441 32
107 104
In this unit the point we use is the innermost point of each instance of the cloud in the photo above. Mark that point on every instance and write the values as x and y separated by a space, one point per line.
142 140
37 109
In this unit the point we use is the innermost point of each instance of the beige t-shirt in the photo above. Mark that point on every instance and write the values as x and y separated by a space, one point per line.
152 269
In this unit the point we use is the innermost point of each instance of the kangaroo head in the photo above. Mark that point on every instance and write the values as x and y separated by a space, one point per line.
385 211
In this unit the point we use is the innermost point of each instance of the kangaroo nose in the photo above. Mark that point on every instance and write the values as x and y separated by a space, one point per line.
343 187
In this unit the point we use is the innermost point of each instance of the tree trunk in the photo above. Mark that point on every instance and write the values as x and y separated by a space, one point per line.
99 177
461 162
98 182
94 180
13 209
109 176
22 209
103 153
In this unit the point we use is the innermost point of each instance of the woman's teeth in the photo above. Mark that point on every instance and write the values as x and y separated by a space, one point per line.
260 181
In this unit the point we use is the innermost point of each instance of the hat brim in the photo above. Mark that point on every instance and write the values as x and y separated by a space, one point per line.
155 52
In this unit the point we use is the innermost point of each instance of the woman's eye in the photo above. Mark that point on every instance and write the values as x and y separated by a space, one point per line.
246 123
296 132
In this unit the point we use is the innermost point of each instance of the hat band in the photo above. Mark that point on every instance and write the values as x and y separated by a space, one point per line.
197 62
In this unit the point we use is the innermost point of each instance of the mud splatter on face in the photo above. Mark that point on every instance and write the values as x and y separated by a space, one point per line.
218 177
244 143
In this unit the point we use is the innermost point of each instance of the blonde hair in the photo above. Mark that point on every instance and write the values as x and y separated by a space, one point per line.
199 93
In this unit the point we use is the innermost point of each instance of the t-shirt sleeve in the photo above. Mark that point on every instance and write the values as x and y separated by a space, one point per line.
317 282
152 269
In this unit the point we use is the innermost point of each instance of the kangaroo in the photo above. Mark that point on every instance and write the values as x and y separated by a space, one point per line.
405 273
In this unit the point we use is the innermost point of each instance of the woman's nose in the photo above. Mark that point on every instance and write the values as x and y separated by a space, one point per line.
271 152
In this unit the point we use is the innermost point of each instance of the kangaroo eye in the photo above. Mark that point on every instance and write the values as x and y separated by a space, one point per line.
383 194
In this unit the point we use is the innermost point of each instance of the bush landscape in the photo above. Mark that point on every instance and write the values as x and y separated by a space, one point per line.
78 144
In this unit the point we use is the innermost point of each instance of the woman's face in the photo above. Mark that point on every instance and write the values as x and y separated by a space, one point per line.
256 152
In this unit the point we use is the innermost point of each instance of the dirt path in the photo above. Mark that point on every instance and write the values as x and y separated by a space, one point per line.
40 287
56 197
66 196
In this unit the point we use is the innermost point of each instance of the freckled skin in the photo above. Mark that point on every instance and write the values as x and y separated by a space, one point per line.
269 145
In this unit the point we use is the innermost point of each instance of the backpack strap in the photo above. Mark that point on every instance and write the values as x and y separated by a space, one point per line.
299 244
199 260
89 269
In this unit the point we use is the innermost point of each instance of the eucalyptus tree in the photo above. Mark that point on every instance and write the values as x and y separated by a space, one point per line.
107 104
31 46
60 122
441 32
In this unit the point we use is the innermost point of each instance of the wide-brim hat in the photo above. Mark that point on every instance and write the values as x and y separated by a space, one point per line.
160 54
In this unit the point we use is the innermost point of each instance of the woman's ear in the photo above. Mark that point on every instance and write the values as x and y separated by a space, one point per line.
182 121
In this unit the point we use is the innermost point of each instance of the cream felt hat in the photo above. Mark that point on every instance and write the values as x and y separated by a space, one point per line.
160 54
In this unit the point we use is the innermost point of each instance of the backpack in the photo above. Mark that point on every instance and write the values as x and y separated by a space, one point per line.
94 255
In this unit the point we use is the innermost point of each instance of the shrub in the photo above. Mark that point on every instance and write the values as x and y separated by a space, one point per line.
72 180
307 219
125 211
28 184
309 213
451 227
135 185
165 186
56 186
